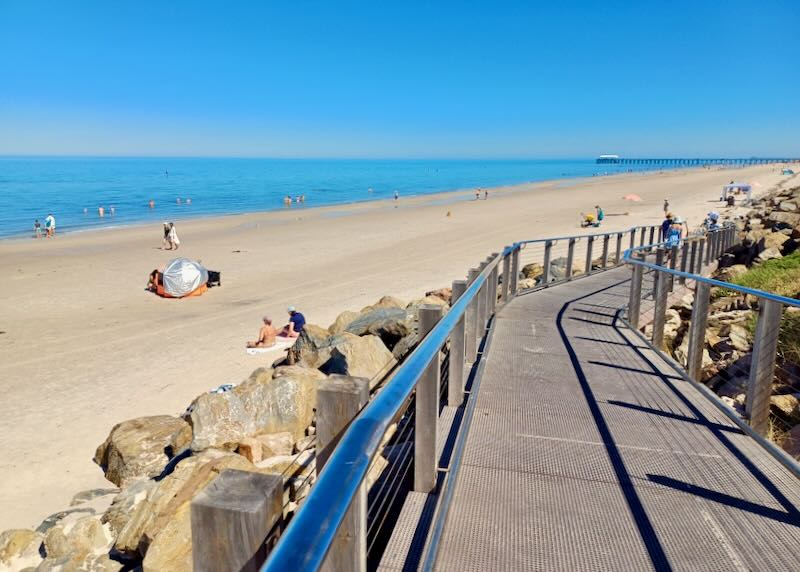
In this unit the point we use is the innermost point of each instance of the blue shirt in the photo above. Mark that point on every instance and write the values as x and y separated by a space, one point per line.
298 320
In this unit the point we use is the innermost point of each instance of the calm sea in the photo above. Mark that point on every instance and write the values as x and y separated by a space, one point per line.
32 187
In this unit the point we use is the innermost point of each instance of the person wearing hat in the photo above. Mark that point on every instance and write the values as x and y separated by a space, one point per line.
665 226
296 323
675 233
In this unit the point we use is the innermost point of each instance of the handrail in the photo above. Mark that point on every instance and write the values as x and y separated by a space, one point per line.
628 258
324 509
610 233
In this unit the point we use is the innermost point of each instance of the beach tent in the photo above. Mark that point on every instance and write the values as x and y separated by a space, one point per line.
184 277
787 172
744 187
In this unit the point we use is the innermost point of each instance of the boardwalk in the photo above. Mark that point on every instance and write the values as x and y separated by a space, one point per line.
586 451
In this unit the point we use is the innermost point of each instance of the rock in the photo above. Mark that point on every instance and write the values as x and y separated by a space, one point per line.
775 240
532 270
558 268
90 495
171 550
135 448
19 548
390 324
788 405
791 442
731 272
385 302
446 294
405 344
787 220
672 325
305 443
250 449
719 319
526 283
80 547
262 404
426 301
739 338
276 444
376 470
124 504
342 321
769 254
365 357
787 206
290 465
311 348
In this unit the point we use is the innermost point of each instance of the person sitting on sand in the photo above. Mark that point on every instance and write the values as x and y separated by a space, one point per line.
588 220
266 335
296 324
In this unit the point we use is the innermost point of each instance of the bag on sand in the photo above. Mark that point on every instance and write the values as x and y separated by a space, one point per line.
214 278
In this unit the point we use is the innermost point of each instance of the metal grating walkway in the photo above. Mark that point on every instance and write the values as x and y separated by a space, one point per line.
587 452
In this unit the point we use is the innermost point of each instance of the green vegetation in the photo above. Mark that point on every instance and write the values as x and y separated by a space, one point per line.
779 276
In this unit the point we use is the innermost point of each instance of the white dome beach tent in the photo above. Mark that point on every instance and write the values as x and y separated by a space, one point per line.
183 277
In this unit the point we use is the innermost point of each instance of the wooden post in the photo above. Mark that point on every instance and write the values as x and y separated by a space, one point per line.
659 262
652 234
427 410
231 519
504 288
633 238
482 298
618 255
339 399
660 308
471 323
762 364
697 330
684 259
642 237
701 244
606 239
514 271
493 284
589 246
709 247
548 251
673 260
455 372
635 302
693 257
570 257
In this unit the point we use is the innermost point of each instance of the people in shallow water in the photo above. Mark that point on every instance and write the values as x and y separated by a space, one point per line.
296 323
266 335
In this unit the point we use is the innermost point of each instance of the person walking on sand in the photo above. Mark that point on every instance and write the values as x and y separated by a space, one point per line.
485 194
37 229
396 198
477 194
599 213
172 238
266 335
50 226
666 206
165 238
296 324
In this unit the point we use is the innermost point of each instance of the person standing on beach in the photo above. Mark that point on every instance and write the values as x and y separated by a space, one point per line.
477 194
50 225
172 238
485 194
165 239
37 229
396 198
666 206
599 213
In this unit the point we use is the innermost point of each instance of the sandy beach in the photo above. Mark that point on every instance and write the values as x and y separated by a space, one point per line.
83 346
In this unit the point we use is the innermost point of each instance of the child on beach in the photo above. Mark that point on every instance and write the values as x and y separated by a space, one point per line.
37 228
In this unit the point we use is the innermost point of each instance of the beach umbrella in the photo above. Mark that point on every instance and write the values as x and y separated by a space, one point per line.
635 198
183 276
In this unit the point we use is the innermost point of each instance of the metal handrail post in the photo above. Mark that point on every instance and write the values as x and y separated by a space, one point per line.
635 302
606 240
455 372
514 271
589 247
471 323
504 287
618 255
570 256
697 330
548 251
426 415
762 364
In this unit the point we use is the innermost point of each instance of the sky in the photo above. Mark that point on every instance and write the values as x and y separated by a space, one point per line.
407 79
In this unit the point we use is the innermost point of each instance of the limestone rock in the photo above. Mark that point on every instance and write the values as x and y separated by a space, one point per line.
390 324
289 465
791 442
135 448
250 449
788 405
427 301
769 254
82 546
262 404
124 504
171 549
730 273
720 319
739 338
19 548
532 270
558 268
446 294
276 444
388 302
672 325
784 218
311 347
526 283
775 240
365 356
405 344
787 206
305 443
342 321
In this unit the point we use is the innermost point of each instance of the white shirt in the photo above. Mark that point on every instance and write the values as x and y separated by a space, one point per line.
50 221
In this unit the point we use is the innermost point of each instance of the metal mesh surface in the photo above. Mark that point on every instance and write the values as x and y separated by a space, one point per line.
587 452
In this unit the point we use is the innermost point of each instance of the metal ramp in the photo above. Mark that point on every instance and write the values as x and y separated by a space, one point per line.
587 451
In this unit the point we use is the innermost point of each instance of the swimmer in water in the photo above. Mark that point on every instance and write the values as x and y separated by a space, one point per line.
101 212
188 201
151 204
112 210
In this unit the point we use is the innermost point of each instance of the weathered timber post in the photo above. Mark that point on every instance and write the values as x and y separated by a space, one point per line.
684 260
652 234
693 257
635 302
701 243
455 372
697 330
339 399
482 299
642 236
548 251
427 409
709 247
589 246
659 262
514 271
570 258
633 239
231 519
504 287
673 260
471 322
618 255
606 239
762 364
660 308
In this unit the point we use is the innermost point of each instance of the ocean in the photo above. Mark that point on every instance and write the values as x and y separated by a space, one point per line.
73 188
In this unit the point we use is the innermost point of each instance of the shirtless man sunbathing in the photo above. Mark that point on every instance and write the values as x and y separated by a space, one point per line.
266 336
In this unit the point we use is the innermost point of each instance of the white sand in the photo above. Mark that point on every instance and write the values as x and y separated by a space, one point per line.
84 346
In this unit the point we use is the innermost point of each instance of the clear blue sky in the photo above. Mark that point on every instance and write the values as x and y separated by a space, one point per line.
400 79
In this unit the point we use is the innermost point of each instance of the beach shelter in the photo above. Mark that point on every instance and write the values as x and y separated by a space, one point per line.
184 277
743 187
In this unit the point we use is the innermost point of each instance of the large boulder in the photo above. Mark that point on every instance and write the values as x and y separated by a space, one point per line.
365 356
426 301
262 404
311 347
787 405
81 546
342 321
532 270
446 294
385 302
390 324
558 268
136 448
769 254
19 548
730 273
791 442
783 219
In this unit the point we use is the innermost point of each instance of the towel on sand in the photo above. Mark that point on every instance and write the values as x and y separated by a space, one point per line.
280 344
